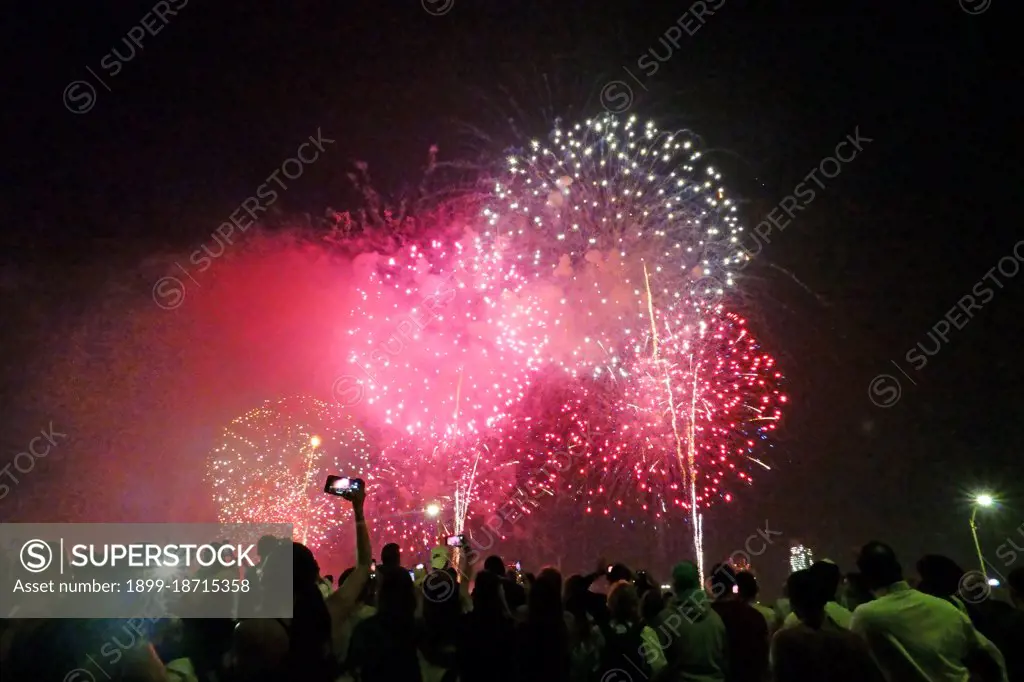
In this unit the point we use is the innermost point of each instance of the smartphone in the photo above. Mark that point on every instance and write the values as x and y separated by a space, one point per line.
342 486
519 566
419 567
456 540
412 575
373 566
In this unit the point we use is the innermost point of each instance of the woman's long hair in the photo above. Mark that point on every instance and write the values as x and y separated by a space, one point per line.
488 600
396 599
545 620
310 634
576 596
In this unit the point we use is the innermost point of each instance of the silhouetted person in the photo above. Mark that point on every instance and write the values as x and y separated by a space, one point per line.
486 650
543 640
383 647
693 632
391 556
827 576
59 650
628 642
748 591
746 629
515 595
816 648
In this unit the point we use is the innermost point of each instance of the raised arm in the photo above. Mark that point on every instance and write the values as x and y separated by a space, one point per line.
465 574
343 602
602 569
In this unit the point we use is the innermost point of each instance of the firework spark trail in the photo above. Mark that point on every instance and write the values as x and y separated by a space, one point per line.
696 518
690 466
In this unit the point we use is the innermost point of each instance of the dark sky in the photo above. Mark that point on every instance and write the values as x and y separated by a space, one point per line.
908 227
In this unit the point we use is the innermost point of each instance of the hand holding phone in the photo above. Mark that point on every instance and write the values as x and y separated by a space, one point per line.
345 486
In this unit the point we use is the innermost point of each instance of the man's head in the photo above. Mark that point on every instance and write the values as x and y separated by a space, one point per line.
828 576
878 566
1016 583
806 596
940 575
396 595
391 556
747 584
494 564
723 580
265 545
685 578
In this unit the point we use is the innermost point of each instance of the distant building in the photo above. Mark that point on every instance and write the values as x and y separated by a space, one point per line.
800 557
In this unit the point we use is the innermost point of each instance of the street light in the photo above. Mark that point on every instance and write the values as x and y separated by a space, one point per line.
433 510
980 500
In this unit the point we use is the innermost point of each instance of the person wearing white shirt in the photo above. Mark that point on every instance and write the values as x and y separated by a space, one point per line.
916 637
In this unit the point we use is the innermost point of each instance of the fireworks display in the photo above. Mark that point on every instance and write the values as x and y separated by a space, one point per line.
584 312
582 217
723 391
271 464
429 488
434 340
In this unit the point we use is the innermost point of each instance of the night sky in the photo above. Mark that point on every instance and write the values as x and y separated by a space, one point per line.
909 226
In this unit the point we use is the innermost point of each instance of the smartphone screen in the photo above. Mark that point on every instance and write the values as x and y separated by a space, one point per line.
454 540
342 485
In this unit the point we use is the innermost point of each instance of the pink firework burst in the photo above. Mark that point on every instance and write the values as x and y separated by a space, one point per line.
436 342
699 411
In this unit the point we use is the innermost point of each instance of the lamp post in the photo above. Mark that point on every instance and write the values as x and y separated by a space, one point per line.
433 511
980 500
